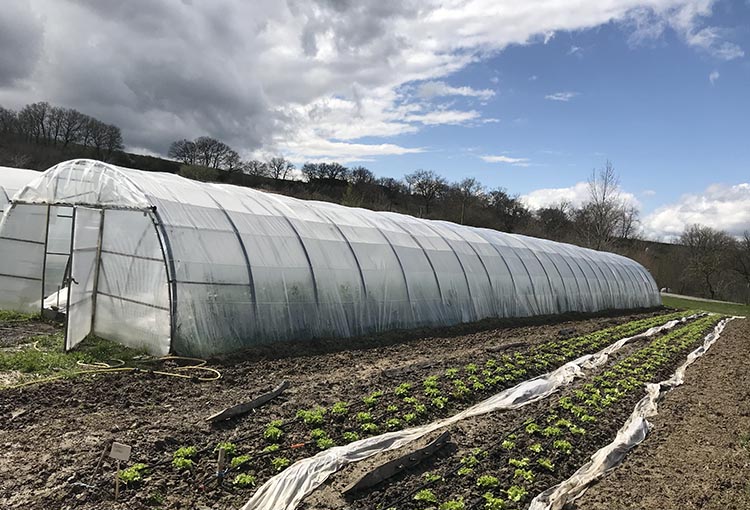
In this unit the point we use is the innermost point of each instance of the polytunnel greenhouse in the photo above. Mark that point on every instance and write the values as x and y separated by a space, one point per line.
157 261
12 180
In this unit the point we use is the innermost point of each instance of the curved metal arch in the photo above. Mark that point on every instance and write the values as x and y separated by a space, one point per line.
272 197
243 249
633 278
395 254
348 243
601 277
429 260
598 276
480 233
461 265
479 257
549 280
569 254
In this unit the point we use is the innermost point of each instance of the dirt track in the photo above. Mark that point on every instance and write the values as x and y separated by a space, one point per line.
698 454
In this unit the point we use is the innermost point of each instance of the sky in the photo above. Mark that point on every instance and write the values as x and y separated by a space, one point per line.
528 96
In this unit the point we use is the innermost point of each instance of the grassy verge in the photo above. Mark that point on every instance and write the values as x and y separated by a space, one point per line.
708 306
9 317
44 357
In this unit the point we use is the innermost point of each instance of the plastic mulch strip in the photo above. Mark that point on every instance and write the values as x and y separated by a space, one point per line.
632 433
288 488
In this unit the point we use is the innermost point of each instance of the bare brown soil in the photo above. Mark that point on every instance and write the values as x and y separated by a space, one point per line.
52 435
698 454
481 432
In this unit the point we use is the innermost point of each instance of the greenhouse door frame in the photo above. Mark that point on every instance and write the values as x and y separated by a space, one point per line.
91 270
69 279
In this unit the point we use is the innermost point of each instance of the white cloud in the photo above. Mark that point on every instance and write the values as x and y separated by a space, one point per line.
648 193
288 77
505 159
710 40
561 96
713 77
533 77
430 89
648 23
443 117
576 50
719 206
575 195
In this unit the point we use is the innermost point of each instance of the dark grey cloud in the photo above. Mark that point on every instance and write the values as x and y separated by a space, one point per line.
305 77
20 42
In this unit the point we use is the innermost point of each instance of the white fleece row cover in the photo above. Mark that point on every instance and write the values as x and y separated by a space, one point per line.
632 433
203 268
287 489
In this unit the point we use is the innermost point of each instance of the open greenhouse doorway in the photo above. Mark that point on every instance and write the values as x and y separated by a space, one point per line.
82 282
100 270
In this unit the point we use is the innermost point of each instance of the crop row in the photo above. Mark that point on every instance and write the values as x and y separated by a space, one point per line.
412 403
548 447
254 458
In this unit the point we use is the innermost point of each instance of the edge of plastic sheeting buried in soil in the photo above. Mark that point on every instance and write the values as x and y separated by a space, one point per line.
288 488
633 432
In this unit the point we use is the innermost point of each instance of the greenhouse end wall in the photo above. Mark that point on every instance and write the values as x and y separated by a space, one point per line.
240 267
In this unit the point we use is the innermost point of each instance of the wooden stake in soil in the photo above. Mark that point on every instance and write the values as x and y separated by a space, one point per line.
119 452
117 481
220 464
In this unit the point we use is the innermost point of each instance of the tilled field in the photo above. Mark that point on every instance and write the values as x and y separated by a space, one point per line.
53 434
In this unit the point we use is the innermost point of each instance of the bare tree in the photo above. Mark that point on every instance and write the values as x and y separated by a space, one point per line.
183 151
72 124
310 171
707 253
600 216
332 171
53 123
426 184
628 222
8 120
508 210
279 168
468 190
741 258
554 220
106 139
360 175
32 121
255 167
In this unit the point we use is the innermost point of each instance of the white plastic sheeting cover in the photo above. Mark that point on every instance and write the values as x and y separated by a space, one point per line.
287 489
251 267
12 180
631 434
